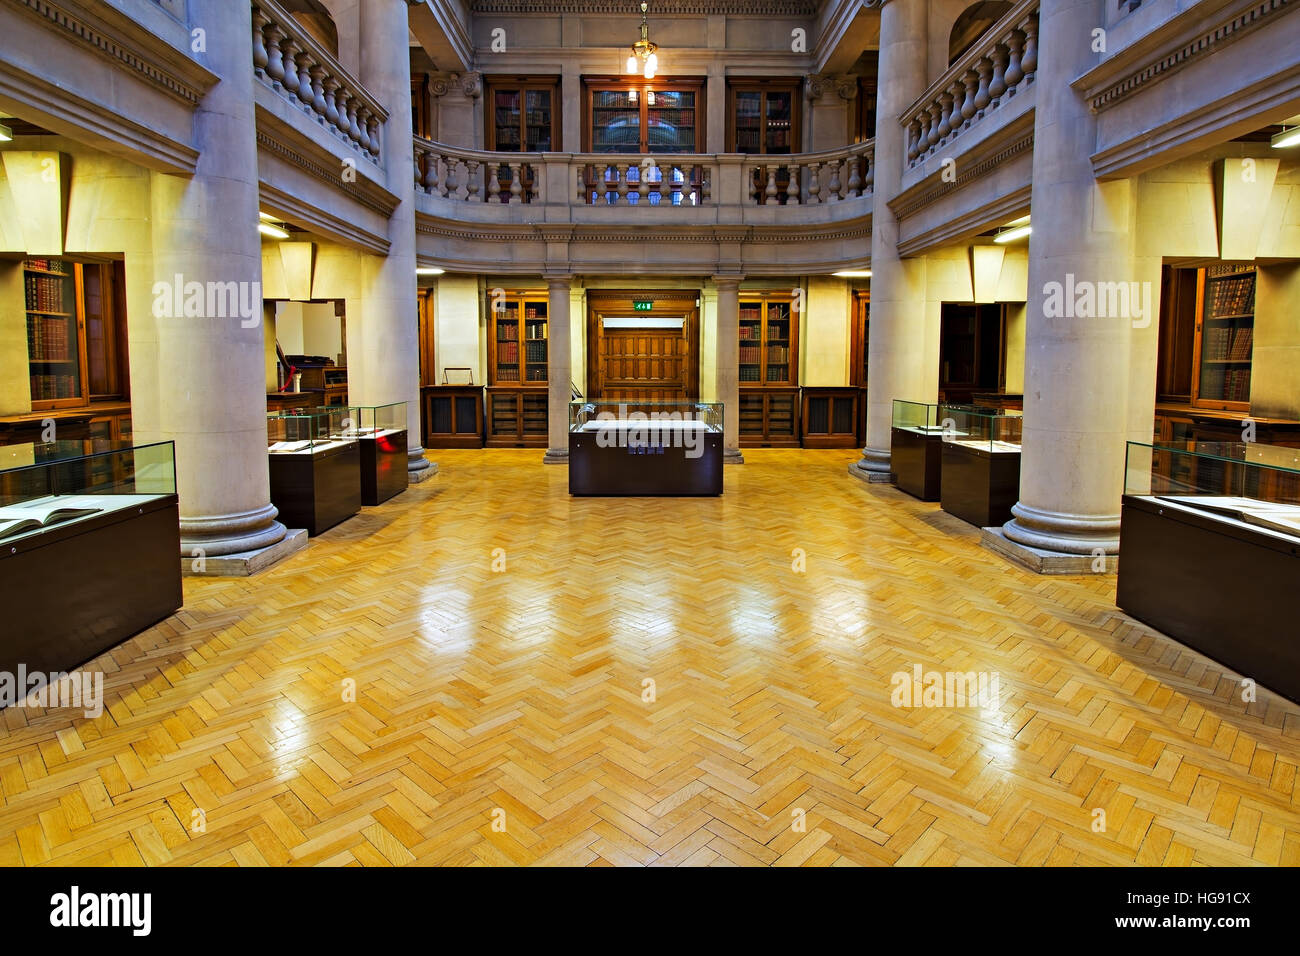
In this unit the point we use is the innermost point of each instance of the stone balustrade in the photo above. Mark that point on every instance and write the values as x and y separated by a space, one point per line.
1000 66
674 180
292 62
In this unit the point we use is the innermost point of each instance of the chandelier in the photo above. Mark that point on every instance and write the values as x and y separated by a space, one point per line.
643 59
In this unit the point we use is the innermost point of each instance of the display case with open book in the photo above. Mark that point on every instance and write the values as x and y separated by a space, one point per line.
980 471
89 548
315 467
916 448
1210 547
645 448
380 432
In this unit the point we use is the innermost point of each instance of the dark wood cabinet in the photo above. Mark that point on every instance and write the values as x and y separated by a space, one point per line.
769 417
861 355
977 485
452 416
517 417
830 417
317 490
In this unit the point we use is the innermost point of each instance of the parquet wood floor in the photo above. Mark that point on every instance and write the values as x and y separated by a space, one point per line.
500 715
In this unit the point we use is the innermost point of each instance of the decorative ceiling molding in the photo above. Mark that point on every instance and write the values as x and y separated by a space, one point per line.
126 43
661 8
1157 60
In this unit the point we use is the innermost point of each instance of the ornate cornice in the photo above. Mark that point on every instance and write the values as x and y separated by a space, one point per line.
445 229
1165 60
362 191
912 202
158 64
661 8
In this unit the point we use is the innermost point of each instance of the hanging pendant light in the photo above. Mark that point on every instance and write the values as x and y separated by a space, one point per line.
644 59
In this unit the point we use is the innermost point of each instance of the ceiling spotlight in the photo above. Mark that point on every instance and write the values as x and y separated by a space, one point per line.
1287 138
429 271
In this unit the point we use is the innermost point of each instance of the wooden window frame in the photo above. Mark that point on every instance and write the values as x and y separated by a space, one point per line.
686 84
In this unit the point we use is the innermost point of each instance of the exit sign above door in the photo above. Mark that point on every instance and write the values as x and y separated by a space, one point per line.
643 306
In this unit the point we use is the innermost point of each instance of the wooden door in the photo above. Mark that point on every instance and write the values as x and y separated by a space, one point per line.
647 358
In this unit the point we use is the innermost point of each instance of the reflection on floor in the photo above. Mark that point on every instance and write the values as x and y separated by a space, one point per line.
542 679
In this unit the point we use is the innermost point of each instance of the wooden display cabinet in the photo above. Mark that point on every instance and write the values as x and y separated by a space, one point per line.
518 370
769 418
618 116
453 416
830 417
517 417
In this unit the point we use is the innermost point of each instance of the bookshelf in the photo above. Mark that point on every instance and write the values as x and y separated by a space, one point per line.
769 370
518 369
55 350
621 117
763 117
1224 339
523 115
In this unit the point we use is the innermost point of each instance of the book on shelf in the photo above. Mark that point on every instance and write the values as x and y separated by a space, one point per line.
35 516
508 352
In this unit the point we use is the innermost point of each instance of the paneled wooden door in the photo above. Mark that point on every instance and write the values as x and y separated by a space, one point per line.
647 356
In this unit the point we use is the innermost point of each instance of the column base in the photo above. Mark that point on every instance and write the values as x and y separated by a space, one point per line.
732 456
246 563
1041 561
873 467
556 456
419 468
1062 533
220 535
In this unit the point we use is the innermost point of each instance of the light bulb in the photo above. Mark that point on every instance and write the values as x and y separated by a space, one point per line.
631 64
651 66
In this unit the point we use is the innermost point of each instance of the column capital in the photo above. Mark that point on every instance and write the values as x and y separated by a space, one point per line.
728 281
556 281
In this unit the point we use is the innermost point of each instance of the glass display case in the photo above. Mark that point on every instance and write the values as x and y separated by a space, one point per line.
55 484
991 430
645 448
90 551
380 431
315 467
916 449
1210 549
979 474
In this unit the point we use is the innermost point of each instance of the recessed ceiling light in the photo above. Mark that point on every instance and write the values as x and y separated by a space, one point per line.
1022 221
265 216
429 271
1287 138
1011 235
6 134
275 232
852 274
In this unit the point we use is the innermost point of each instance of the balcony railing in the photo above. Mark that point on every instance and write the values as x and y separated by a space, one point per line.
293 63
645 181
988 76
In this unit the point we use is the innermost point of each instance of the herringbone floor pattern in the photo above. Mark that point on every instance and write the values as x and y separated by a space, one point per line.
501 711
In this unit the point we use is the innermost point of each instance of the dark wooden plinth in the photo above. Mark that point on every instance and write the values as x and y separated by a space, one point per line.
77 590
916 461
317 490
979 486
383 467
1224 589
618 471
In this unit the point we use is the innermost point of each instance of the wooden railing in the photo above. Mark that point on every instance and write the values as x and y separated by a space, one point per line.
293 63
988 76
675 180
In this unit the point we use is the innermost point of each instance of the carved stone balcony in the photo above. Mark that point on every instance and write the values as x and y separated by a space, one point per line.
763 215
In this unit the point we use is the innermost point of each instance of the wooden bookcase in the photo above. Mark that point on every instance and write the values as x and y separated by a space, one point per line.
860 355
523 114
518 370
1224 339
618 116
764 117
769 370
830 417
453 416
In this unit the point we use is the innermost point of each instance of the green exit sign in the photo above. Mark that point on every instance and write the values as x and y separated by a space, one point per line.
643 306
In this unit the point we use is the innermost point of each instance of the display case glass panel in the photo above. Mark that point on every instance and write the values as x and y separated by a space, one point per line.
917 417
655 417
307 432
991 430
1237 480
368 421
49 485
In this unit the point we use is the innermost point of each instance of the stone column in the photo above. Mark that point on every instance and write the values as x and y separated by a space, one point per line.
902 359
727 339
199 380
1077 359
559 368
384 341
